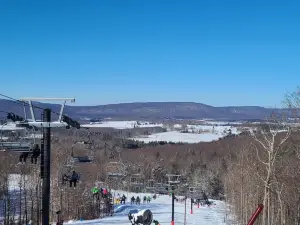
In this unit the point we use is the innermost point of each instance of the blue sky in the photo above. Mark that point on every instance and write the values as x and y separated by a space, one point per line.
213 52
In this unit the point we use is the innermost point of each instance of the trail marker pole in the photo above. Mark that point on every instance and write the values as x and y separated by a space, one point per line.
173 206
185 210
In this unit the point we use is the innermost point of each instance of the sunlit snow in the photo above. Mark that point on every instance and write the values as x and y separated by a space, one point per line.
197 133
122 124
161 209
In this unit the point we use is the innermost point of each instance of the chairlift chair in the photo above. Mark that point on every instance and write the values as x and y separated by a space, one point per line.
81 159
115 170
173 179
17 139
150 186
136 180
67 170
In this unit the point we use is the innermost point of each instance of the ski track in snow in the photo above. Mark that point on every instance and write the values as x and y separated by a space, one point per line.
161 209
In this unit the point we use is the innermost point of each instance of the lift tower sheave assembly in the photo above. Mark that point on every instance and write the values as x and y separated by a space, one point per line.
46 124
58 123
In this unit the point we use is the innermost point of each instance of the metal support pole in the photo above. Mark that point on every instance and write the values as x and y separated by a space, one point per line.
173 206
46 169
185 210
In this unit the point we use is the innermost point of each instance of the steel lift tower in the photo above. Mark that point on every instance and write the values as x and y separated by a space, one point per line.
46 124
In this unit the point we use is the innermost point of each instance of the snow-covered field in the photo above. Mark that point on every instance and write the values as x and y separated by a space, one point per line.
197 133
210 131
161 209
122 124
175 136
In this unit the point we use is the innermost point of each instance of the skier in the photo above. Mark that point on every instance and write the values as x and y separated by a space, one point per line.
95 192
148 199
123 199
36 151
138 200
74 179
132 200
104 192
144 199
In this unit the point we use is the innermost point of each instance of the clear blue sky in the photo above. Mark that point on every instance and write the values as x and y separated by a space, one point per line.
213 52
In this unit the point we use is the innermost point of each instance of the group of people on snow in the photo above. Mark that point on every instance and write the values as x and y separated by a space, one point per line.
137 200
121 199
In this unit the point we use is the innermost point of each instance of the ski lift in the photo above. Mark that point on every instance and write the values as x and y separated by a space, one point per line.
150 185
17 139
136 180
82 159
66 175
115 170
173 179
89 142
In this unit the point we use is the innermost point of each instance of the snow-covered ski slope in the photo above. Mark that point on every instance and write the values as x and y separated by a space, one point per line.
161 209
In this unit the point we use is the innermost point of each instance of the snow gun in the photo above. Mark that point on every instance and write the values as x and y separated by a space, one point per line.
142 217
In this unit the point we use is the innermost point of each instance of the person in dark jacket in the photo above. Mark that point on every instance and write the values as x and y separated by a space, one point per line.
123 199
36 151
132 200
74 179
138 200
23 157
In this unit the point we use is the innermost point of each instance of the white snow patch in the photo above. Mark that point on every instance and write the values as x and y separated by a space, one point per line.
222 123
123 124
197 133
14 181
175 136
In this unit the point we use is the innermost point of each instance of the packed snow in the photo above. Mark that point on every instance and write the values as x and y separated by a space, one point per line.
123 124
161 209
196 133
175 136
14 181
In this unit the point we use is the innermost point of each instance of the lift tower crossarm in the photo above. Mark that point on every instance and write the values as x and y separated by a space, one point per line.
59 123
48 99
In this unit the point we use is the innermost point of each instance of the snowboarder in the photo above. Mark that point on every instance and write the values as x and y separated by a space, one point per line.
36 151
74 179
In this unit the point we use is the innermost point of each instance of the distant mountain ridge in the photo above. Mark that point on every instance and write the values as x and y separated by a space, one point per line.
151 110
